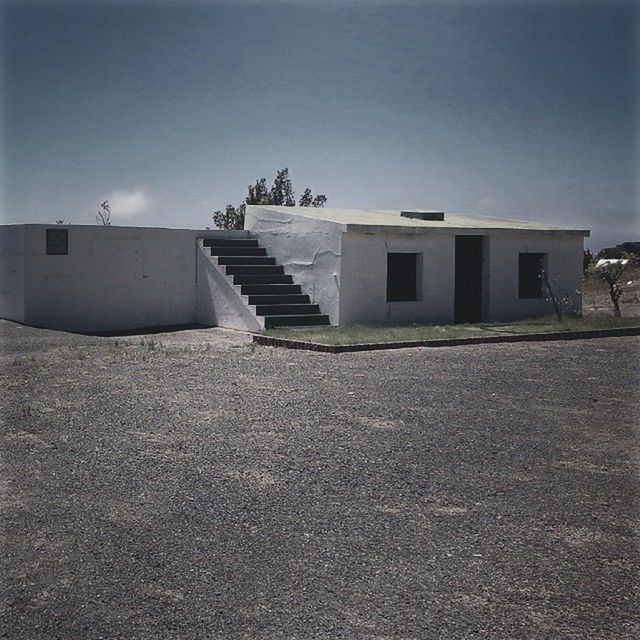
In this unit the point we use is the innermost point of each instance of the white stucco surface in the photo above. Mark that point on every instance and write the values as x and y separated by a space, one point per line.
113 278
363 293
12 272
564 264
219 303
119 278
340 258
373 219
363 277
308 249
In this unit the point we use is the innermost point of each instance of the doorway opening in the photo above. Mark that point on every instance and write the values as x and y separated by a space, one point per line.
468 279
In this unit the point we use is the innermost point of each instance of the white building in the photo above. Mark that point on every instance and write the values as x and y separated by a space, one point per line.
291 265
390 267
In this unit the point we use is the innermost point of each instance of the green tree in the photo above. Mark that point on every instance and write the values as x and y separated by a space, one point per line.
306 199
612 275
231 218
280 194
258 193
282 191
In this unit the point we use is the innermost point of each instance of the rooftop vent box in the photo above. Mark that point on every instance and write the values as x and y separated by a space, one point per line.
423 215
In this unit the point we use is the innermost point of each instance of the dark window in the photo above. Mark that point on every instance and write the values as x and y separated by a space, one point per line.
530 269
402 276
57 242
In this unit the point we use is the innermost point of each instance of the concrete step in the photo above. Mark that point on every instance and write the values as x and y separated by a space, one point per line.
228 250
287 309
243 260
291 298
266 279
253 270
230 242
270 289
295 321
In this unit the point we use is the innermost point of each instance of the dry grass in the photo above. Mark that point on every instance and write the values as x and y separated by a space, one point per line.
597 314
365 335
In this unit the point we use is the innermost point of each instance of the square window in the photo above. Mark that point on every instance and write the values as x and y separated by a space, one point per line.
57 242
402 277
530 271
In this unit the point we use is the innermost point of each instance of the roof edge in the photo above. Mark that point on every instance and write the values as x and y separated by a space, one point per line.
405 230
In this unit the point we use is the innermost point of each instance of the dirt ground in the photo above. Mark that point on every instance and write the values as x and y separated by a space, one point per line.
192 485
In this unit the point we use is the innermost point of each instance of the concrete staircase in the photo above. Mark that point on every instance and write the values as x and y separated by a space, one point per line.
271 294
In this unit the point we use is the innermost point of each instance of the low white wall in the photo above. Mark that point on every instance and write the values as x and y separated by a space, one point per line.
363 290
307 248
116 278
564 263
12 273
113 278
218 303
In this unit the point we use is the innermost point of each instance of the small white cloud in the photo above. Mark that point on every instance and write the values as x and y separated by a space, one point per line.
125 204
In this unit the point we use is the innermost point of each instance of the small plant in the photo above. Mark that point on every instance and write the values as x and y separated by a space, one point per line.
551 295
612 274
104 214
567 304
150 344
587 260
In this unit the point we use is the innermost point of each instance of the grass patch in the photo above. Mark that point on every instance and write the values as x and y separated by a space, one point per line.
368 335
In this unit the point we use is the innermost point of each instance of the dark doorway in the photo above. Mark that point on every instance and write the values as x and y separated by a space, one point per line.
468 283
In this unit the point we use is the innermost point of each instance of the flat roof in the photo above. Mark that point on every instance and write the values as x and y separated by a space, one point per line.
354 218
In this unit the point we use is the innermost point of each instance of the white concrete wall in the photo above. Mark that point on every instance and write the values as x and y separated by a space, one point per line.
114 278
118 278
218 301
564 254
12 272
307 248
363 290
345 272
364 276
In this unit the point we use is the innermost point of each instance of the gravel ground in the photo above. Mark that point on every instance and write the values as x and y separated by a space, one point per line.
192 486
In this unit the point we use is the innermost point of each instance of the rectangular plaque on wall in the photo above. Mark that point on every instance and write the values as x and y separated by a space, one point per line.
57 242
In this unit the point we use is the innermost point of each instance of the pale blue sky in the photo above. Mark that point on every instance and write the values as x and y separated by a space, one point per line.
523 109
